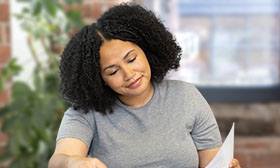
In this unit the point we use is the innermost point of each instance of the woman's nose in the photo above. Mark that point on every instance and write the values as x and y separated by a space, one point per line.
129 73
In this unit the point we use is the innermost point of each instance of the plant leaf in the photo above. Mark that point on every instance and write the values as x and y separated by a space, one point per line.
71 2
50 6
5 157
36 8
4 111
75 17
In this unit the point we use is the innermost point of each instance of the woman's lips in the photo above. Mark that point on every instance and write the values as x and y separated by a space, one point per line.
135 84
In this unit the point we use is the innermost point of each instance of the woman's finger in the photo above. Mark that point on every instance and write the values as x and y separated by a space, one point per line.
234 164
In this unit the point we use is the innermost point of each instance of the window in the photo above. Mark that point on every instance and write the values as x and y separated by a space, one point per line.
230 48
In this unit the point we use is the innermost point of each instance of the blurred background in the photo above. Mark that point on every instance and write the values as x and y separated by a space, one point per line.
231 52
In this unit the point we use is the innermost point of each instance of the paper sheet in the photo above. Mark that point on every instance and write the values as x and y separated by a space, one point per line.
225 154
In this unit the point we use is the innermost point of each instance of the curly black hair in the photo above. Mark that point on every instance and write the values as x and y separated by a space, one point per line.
81 83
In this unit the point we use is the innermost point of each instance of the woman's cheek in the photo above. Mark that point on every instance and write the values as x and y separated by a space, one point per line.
115 81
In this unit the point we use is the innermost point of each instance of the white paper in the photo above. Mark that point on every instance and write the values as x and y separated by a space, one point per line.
225 154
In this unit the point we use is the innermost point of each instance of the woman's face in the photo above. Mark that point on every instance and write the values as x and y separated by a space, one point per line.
125 68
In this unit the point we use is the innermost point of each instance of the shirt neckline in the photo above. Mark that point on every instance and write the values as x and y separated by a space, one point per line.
118 102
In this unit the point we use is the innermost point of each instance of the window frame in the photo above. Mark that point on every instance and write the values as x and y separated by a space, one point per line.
225 94
240 94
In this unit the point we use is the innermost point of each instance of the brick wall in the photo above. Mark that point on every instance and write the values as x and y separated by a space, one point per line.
92 9
5 55
257 131
5 44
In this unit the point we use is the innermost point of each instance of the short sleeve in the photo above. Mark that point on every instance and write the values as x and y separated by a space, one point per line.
205 131
77 125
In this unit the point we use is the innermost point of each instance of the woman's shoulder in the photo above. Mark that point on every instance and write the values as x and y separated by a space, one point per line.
79 112
176 88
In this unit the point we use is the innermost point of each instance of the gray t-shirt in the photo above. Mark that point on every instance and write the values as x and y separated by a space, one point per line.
164 133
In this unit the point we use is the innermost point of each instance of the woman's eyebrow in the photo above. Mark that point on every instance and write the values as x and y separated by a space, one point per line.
126 55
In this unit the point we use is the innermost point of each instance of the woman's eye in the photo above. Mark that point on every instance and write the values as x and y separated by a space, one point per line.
130 61
113 73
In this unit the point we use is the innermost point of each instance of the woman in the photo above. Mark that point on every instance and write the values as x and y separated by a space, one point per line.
122 113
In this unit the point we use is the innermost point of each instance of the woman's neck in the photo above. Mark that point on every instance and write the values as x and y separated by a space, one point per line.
140 100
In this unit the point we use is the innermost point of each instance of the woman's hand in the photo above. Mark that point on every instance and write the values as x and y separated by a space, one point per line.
81 162
234 164
71 153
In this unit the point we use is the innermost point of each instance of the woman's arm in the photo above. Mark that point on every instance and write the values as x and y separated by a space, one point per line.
70 153
205 156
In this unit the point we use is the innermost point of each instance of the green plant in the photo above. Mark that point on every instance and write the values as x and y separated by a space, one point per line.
11 69
32 117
